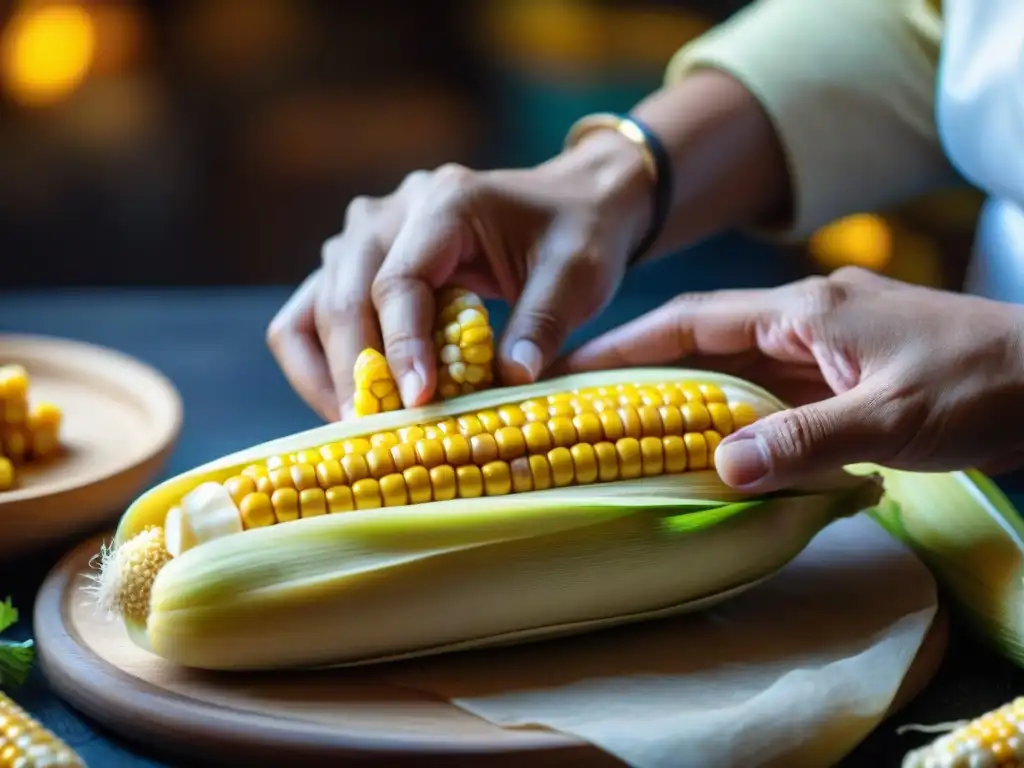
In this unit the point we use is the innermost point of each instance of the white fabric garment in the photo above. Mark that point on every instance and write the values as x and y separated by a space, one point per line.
980 114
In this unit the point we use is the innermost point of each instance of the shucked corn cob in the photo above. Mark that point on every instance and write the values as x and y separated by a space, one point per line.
28 432
25 743
464 346
498 514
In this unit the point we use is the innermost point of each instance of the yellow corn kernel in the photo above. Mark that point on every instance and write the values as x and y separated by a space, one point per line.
675 453
312 502
417 482
743 415
257 510
375 388
652 457
393 490
611 424
367 494
25 742
497 478
286 504
444 482
584 463
470 481
560 460
540 469
696 450
340 499
14 382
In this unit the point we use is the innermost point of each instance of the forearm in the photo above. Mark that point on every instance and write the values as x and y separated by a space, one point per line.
727 161
793 113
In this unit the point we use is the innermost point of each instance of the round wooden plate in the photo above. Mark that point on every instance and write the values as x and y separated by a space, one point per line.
121 420
317 718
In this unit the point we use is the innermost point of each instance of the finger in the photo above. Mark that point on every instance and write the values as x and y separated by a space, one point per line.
345 318
793 446
293 342
556 299
424 256
720 323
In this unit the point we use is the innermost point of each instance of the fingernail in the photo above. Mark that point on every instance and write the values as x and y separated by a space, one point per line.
347 410
411 386
527 355
743 461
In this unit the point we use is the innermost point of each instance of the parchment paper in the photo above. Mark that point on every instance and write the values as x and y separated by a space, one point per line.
793 673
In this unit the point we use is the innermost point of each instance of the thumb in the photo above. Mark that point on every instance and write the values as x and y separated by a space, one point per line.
791 447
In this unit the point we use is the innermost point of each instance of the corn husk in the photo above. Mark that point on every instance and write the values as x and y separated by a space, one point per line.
971 537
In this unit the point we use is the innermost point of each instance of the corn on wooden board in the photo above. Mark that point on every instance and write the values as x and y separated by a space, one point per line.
311 718
121 419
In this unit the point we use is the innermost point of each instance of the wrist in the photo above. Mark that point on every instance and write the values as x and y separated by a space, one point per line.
615 180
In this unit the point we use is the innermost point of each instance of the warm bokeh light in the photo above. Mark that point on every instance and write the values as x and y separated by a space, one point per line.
46 52
862 240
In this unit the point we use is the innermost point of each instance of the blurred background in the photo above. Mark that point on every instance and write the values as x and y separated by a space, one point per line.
211 142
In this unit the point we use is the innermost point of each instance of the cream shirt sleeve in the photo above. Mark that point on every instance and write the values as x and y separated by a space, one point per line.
849 86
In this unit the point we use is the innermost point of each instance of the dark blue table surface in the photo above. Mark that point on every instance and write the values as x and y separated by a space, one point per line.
210 344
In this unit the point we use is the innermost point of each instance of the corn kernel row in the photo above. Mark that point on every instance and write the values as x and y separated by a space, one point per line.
302 491
506 450
698 404
464 342
27 432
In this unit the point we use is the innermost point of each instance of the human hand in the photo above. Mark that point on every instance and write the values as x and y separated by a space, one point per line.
877 371
552 240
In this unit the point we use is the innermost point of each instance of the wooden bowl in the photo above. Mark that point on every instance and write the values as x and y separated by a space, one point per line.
121 421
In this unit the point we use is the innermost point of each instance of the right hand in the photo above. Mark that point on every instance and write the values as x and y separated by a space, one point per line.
553 241
876 370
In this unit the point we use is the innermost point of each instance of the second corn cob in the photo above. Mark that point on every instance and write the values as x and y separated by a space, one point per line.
993 740
25 743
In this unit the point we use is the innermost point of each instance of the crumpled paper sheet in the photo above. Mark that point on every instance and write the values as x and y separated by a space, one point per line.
793 673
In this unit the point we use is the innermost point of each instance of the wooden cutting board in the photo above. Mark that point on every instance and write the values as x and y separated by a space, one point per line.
319 718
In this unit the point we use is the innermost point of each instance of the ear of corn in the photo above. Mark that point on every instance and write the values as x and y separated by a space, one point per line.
507 513
29 432
24 741
972 539
993 740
